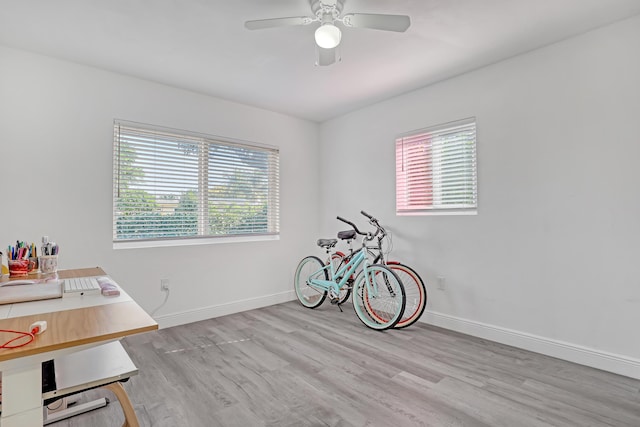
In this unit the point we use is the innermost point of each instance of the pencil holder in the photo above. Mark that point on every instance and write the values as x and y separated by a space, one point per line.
20 267
48 264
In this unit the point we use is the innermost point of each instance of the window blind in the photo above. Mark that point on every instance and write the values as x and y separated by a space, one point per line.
436 169
171 184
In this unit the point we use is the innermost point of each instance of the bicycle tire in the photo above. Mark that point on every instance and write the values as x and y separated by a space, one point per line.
337 259
309 296
415 291
383 310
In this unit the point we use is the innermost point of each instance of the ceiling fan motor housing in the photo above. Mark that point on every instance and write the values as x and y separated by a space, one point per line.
327 11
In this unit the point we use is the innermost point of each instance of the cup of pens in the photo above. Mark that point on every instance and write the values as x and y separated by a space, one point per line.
48 264
18 259
20 267
49 258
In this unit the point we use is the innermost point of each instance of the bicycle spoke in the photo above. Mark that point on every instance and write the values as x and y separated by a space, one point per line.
308 295
379 303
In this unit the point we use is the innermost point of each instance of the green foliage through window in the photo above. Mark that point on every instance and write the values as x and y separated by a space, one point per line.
174 184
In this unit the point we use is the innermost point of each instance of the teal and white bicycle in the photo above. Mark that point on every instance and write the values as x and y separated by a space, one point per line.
378 294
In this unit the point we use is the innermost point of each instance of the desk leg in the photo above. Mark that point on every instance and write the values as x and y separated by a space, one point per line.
130 419
22 397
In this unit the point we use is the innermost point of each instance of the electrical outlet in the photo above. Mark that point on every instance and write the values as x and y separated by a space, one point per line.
441 283
164 285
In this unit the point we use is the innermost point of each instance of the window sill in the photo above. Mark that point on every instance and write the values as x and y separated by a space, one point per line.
193 242
436 213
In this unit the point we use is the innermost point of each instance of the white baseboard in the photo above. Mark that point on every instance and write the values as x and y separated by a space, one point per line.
189 316
610 362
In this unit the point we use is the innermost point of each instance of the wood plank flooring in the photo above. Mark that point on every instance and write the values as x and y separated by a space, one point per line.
286 365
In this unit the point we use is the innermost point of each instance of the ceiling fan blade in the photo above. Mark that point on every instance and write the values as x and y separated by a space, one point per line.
260 24
398 23
326 56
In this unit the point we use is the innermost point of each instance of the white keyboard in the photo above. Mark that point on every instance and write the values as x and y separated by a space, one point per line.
80 286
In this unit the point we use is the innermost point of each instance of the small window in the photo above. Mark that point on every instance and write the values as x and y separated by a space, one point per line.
436 170
171 184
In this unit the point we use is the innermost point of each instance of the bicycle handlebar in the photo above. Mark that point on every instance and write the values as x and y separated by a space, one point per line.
369 236
371 218
375 223
352 225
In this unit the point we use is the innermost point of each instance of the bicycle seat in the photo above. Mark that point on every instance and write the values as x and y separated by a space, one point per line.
347 235
327 243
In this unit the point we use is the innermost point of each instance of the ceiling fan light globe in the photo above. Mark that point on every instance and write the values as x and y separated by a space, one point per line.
328 36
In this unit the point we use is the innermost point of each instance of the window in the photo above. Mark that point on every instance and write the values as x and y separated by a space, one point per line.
436 170
171 184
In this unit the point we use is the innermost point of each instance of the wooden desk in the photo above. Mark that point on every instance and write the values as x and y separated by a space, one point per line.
73 323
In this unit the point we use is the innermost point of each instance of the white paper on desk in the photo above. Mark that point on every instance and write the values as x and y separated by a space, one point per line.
17 282
30 292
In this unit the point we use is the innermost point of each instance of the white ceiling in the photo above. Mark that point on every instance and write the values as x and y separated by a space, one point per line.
202 45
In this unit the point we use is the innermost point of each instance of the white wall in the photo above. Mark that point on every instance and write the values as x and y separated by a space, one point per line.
56 136
552 261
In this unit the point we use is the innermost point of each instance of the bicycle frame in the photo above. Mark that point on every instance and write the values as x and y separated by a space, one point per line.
378 257
356 260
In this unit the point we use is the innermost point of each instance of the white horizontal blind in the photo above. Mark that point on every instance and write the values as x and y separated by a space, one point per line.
172 184
436 169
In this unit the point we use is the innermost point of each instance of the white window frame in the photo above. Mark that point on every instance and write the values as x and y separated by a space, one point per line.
211 177
436 170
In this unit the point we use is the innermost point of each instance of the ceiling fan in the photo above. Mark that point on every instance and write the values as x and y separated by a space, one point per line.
328 35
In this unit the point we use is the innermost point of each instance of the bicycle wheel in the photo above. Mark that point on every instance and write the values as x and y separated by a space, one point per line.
415 291
310 267
337 259
380 303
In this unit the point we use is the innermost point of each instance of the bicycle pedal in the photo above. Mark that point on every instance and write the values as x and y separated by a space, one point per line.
334 301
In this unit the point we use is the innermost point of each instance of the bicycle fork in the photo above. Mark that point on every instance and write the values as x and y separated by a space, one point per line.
373 285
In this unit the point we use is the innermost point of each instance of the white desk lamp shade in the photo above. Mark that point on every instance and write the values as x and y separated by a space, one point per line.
328 36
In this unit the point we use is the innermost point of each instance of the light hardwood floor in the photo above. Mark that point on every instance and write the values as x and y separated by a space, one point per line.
286 365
